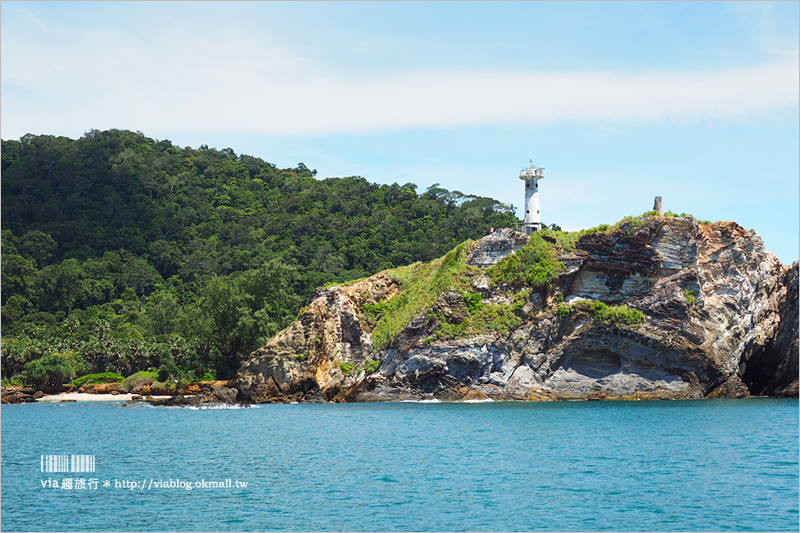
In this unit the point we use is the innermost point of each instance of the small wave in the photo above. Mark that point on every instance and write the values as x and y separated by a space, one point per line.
217 406
476 400
433 400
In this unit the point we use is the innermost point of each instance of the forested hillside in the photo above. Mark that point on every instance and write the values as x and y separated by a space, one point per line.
123 253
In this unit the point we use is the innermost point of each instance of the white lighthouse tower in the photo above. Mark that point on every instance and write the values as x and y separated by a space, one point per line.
532 175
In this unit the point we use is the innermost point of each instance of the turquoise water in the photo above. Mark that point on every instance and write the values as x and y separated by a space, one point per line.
644 466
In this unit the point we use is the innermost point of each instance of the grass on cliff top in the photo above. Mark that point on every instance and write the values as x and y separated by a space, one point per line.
633 223
421 283
534 266
143 376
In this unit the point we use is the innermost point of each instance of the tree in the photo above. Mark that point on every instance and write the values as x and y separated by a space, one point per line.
246 308
69 274
38 246
47 287
49 368
16 272
162 310
140 275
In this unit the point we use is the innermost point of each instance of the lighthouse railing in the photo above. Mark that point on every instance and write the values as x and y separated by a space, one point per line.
522 227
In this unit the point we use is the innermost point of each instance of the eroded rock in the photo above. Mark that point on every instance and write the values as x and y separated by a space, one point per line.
496 246
13 394
721 321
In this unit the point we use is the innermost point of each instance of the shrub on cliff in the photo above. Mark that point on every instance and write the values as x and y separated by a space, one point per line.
373 312
474 301
536 265
346 368
615 314
689 297
372 366
619 314
163 374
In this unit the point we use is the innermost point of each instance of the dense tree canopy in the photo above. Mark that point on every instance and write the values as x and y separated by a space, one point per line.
135 253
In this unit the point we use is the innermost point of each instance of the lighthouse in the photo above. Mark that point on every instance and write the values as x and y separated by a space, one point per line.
532 175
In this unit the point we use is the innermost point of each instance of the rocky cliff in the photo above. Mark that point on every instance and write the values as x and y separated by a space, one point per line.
654 307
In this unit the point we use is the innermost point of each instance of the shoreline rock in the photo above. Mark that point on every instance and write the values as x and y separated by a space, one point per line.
15 394
198 393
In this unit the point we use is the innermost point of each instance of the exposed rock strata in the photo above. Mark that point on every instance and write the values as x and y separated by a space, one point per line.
13 394
774 371
303 362
721 322
496 246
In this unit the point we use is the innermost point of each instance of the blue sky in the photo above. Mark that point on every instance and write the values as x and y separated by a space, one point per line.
620 102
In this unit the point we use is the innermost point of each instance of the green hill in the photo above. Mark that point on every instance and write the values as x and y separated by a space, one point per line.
122 253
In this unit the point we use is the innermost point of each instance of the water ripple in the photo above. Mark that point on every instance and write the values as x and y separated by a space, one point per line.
660 466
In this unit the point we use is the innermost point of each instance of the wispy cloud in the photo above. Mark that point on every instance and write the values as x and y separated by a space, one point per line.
70 79
202 98
772 32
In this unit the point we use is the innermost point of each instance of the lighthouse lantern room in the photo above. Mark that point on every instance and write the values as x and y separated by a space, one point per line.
532 175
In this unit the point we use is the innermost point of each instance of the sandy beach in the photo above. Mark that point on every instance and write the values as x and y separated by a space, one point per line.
82 397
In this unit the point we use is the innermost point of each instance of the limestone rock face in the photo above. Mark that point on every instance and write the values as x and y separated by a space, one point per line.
308 360
774 371
721 321
496 246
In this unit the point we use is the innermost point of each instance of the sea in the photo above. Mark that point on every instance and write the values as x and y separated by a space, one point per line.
708 465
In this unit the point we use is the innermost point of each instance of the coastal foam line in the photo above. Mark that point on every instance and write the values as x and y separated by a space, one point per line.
84 397
216 406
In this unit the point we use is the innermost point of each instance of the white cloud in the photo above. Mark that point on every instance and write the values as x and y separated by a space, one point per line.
105 77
